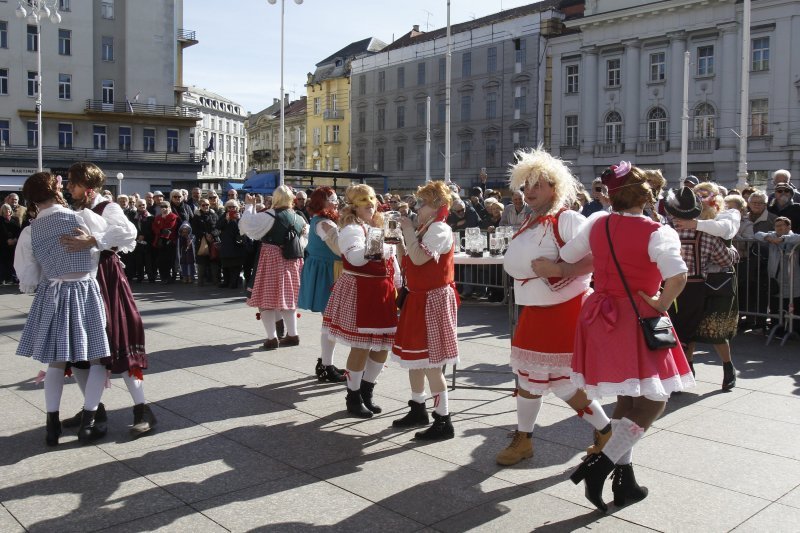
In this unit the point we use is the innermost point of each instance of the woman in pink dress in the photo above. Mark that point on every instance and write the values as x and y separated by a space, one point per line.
611 357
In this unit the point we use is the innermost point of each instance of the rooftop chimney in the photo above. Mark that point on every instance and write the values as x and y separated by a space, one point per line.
416 28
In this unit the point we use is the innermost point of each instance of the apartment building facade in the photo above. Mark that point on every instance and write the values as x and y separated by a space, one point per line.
263 132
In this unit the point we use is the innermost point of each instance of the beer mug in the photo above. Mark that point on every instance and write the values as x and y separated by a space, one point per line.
496 243
391 227
473 232
374 245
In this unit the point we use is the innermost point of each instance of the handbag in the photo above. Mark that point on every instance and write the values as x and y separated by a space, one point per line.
203 248
720 283
291 248
213 251
402 292
657 330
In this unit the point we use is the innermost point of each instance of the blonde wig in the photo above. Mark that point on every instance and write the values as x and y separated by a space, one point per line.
359 195
282 197
537 164
435 194
716 202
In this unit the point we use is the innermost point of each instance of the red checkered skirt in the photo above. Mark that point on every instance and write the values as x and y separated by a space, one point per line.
361 312
426 335
541 350
277 283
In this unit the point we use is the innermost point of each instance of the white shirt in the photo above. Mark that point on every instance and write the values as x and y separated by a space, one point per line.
256 225
725 225
437 240
120 234
663 248
540 242
28 269
353 243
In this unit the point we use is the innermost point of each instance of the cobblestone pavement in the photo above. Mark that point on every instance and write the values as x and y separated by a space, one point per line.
249 440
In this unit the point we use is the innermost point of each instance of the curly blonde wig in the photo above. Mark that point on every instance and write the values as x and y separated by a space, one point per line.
282 197
435 194
355 194
716 203
537 164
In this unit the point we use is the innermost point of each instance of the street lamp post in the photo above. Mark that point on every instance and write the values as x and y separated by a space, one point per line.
281 139
39 9
120 177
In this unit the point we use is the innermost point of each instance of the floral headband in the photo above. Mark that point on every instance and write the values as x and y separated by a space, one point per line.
614 176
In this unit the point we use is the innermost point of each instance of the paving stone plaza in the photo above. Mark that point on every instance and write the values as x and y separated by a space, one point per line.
249 440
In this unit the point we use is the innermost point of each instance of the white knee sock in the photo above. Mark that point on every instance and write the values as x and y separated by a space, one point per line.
418 397
94 387
372 370
623 437
268 319
135 387
53 387
328 345
441 405
527 412
354 379
80 375
595 415
290 321
627 457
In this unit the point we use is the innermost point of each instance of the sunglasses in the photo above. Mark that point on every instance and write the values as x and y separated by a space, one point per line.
598 189
458 211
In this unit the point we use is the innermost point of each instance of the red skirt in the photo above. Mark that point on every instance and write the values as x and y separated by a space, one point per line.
361 312
277 283
123 322
612 359
427 335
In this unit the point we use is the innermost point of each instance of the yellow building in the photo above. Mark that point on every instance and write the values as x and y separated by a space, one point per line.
328 107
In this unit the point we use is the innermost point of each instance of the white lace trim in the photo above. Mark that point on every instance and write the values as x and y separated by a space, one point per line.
652 388
541 361
423 363
373 347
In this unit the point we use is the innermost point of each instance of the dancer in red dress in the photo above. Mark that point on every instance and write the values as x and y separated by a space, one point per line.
361 311
426 338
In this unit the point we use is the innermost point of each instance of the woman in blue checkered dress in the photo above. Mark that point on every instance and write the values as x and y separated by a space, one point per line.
66 321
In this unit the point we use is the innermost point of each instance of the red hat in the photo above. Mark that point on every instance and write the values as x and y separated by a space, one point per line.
614 176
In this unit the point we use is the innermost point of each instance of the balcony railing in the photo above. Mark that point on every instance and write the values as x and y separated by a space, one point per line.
652 147
608 149
91 154
187 35
333 114
135 108
707 145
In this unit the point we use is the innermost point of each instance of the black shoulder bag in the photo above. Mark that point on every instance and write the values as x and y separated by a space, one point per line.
657 330
291 248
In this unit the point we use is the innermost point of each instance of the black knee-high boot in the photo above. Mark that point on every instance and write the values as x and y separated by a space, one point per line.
625 487
593 471
53 428
366 396
355 406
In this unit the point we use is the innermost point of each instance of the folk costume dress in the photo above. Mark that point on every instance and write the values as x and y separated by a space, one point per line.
611 356
318 275
67 318
361 311
542 346
427 331
124 323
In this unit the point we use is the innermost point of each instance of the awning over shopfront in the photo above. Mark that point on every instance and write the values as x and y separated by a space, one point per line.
12 183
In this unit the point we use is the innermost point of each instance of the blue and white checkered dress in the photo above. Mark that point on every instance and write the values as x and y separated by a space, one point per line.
67 321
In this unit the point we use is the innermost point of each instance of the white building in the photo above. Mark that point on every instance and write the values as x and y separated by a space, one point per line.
617 87
112 88
219 138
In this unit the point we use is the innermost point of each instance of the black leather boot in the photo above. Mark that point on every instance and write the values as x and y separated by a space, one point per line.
417 416
334 375
624 485
593 471
691 366
75 421
355 406
441 429
89 429
319 370
280 328
366 396
53 429
143 420
728 376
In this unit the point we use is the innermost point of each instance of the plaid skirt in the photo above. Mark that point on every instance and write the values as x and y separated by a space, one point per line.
350 301
66 323
277 280
427 334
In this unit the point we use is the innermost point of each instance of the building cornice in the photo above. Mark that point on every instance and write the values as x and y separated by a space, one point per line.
644 10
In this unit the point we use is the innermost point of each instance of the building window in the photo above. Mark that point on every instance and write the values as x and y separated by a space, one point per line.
519 51
107 9
466 108
33 38
421 74
491 59
5 133
380 157
442 69
491 105
33 134
361 160
571 130
362 121
317 106
317 136
99 137
705 60
491 152
332 102
441 111
401 77
520 139
613 72
125 138
381 119
466 64
336 134
64 87
149 140
64 5
759 117
760 54
65 136
3 34
33 83
572 79
613 128
401 117
382 81
3 81
108 49
108 91
466 153
64 42
337 165
521 99
362 85
400 153
657 125
704 121
421 113
172 141
420 157
658 66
